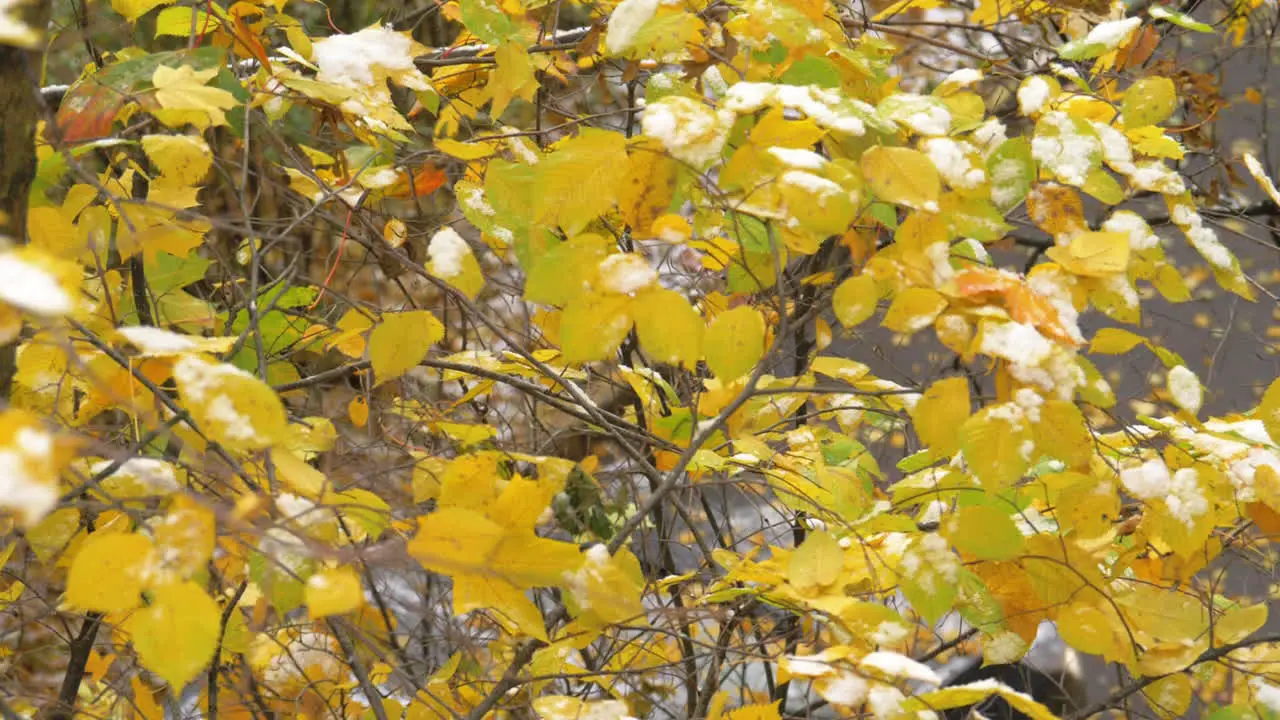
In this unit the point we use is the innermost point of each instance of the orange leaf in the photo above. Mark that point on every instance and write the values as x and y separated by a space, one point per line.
425 181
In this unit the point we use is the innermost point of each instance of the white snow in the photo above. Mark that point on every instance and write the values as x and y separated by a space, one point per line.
1067 152
625 273
1030 401
22 491
825 107
847 689
447 252
815 665
235 424
1112 34
897 665
815 185
1185 389
627 20
1260 175
990 135
197 376
798 158
1116 150
1016 342
1148 481
349 59
690 130
931 119
885 701
1127 221
1202 237
156 475
1155 176
1267 694
157 341
474 199
952 158
1033 94
29 287
964 77
1186 501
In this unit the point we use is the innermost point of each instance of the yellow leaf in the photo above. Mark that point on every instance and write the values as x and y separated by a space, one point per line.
1063 434
563 707
1269 409
581 179
400 341
358 411
670 329
134 9
176 635
957 696
185 537
593 326
229 405
816 563
107 574
1114 341
997 447
647 191
298 475
1094 254
181 159
758 711
1170 696
333 592
734 342
986 532
1057 210
513 78
185 98
855 300
938 415
913 310
903 176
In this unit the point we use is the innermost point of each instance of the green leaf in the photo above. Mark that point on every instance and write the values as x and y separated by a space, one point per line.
486 20
400 341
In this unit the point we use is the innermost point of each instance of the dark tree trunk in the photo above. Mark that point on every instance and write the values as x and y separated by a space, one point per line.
21 104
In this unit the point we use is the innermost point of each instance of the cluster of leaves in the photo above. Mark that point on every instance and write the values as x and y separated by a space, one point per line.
695 206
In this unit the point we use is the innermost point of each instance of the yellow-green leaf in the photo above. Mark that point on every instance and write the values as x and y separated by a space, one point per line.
1269 409
816 563
986 532
181 159
400 341
734 342
903 176
107 574
1149 101
855 300
176 635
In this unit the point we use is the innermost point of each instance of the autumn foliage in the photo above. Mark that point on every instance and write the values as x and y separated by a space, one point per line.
483 358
